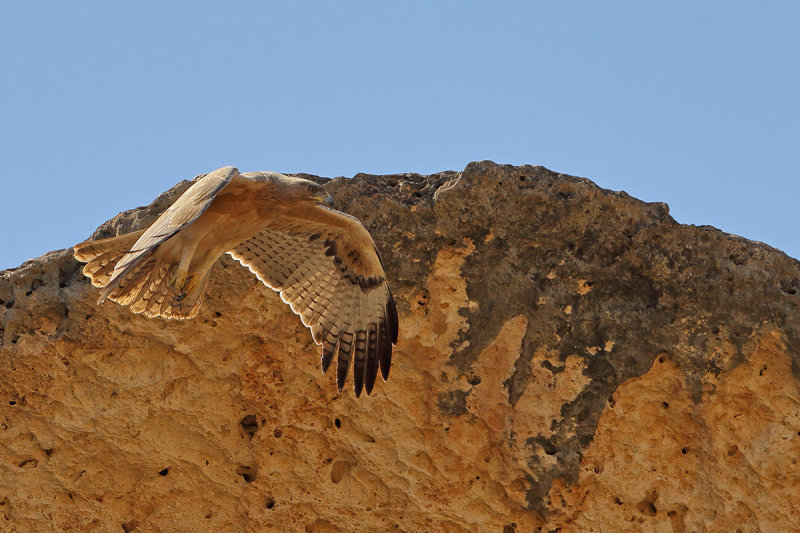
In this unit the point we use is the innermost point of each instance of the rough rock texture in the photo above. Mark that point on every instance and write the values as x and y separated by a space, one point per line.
570 359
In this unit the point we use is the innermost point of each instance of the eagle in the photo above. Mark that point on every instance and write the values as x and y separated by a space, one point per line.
323 263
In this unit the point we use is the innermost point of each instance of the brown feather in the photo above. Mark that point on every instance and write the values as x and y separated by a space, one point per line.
102 255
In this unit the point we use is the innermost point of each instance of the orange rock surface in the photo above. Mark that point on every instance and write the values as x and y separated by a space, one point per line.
570 359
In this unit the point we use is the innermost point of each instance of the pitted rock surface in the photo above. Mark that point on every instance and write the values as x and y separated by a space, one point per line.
570 359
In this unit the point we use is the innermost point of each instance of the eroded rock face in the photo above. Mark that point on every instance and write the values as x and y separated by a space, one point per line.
570 359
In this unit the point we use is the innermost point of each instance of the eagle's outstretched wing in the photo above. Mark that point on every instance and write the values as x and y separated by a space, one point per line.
326 267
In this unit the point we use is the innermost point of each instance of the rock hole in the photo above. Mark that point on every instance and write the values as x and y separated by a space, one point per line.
70 495
10 304
761 372
48 452
127 527
29 463
684 450
474 380
249 425
278 433
217 314
522 178
208 515
665 405
648 506
617 500
12 402
737 259
790 286
661 358
508 528
337 423
733 449
247 472
565 193
477 477
163 472
339 470
270 503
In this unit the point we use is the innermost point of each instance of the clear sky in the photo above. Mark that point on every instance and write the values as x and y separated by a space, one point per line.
104 105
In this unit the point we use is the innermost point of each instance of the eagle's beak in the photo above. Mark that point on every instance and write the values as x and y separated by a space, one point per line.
325 198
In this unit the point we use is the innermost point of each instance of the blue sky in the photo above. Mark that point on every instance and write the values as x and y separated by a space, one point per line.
103 105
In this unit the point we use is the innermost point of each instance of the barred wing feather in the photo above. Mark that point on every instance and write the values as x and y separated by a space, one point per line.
325 266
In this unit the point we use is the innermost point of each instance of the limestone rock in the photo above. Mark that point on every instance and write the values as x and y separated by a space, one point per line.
570 359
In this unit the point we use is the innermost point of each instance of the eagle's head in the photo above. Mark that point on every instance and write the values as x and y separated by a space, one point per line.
290 188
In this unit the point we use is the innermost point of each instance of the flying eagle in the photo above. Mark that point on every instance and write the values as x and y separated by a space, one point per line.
323 263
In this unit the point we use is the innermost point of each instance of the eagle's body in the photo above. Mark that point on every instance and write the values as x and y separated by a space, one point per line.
323 262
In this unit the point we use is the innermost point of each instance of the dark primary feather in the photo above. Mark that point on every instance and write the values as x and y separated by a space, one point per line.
359 366
372 359
390 337
343 359
328 349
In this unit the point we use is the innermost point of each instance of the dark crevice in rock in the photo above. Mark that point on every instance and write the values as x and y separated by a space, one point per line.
248 473
249 425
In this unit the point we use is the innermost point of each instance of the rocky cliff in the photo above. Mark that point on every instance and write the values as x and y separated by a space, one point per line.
570 359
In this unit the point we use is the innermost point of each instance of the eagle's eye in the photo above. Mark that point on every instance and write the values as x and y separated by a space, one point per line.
312 189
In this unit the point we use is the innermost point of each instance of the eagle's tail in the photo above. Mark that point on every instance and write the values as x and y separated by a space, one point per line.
101 256
154 286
